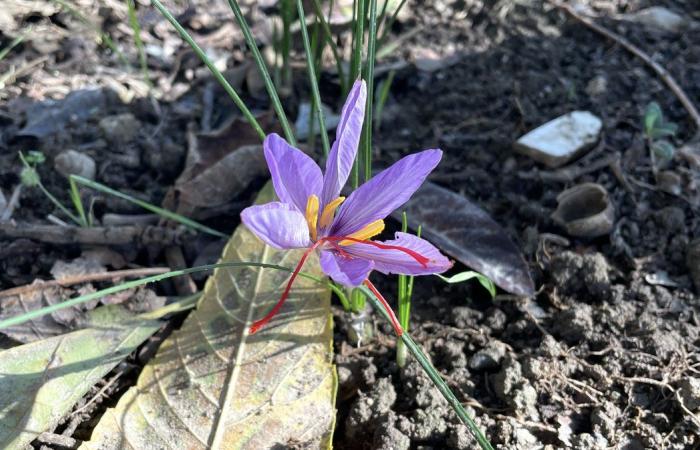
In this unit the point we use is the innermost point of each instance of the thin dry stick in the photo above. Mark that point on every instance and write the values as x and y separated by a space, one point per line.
656 67
87 278
117 235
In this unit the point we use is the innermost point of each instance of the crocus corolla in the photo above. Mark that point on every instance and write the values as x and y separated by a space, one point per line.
312 214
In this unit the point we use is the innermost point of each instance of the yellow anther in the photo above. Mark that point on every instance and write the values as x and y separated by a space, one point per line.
329 212
312 215
369 231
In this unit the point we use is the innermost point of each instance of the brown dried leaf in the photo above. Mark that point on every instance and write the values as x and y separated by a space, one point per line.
213 385
470 235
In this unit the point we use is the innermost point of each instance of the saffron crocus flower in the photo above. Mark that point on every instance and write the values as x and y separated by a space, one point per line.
312 214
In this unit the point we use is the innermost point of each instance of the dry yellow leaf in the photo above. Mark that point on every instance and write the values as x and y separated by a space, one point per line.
213 385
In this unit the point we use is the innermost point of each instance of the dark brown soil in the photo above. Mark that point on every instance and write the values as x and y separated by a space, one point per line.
605 355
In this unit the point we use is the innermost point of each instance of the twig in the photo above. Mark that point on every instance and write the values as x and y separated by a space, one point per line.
12 204
656 67
99 393
87 278
124 235
174 257
57 440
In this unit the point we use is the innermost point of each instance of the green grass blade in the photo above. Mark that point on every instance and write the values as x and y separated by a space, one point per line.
15 42
390 23
334 47
262 67
216 72
369 77
287 15
434 376
134 22
148 206
77 202
383 96
37 183
12 321
359 38
313 81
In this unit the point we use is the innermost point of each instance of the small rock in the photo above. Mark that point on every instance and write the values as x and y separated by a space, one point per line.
692 261
460 437
575 324
489 357
597 86
690 392
388 437
603 419
560 140
671 219
369 407
429 423
575 273
71 162
669 182
120 128
658 17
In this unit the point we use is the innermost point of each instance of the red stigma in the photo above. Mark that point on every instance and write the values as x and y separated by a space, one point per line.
420 259
333 241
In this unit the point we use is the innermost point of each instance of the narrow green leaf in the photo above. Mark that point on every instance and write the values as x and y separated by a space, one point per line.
318 107
468 275
212 68
434 376
652 116
148 206
262 67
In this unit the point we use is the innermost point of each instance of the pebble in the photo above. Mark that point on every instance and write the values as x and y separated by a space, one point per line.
658 17
560 140
71 162
489 357
690 392
120 128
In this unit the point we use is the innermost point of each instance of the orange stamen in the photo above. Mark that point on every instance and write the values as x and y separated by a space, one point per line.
329 212
367 232
312 216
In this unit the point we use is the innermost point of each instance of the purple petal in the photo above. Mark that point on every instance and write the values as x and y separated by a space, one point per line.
278 224
396 261
346 271
295 175
347 139
384 193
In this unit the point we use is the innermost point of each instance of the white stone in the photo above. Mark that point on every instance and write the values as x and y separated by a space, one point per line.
71 162
562 139
658 17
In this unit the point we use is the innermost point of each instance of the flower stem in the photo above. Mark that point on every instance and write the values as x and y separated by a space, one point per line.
434 376
369 77
387 309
